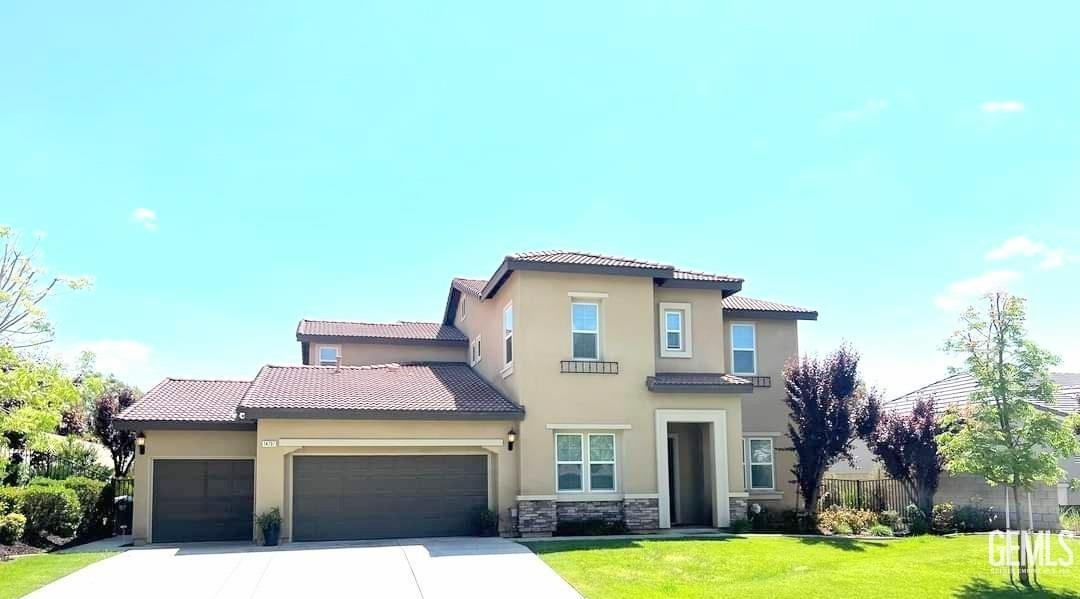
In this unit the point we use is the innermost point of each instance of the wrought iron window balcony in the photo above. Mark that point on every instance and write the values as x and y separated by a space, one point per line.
588 367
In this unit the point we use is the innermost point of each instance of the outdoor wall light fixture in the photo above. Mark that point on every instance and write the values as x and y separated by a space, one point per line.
140 440
510 438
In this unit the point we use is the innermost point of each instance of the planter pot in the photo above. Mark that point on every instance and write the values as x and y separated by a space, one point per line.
271 535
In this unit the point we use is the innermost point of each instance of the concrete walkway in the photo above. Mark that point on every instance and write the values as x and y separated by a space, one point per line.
406 568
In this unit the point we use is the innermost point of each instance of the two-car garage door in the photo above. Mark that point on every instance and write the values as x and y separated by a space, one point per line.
387 496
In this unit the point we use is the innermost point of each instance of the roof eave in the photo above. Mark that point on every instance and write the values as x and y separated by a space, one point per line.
770 314
253 413
382 340
509 265
652 385
184 425
727 287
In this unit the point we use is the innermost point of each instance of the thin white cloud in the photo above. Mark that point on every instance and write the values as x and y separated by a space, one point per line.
963 293
867 109
1024 246
1003 106
146 217
128 359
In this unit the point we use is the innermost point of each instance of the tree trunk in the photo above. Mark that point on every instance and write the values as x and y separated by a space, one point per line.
1024 578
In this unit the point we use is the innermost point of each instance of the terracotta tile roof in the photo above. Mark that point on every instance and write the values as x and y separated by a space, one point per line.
427 332
189 400
749 304
575 257
693 275
955 390
697 382
438 388
472 286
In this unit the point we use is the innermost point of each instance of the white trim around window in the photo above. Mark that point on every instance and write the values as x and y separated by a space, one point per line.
589 465
763 458
676 324
475 351
508 338
584 328
327 359
743 348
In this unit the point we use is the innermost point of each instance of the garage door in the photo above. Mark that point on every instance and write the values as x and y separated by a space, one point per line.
378 497
203 500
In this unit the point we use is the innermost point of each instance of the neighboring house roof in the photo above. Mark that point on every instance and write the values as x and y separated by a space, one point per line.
406 332
955 390
750 307
431 390
697 382
189 403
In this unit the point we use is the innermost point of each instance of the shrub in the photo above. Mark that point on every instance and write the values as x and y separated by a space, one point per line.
842 528
12 527
1070 518
10 500
741 525
915 520
881 530
975 518
590 527
487 522
890 518
855 520
92 503
50 509
943 518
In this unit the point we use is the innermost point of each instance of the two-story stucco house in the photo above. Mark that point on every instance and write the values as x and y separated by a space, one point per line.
566 386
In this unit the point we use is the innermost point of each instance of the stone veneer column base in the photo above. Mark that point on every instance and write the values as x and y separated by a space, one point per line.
641 514
737 508
536 517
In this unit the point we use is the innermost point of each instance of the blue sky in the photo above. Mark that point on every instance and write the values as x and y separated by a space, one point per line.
224 170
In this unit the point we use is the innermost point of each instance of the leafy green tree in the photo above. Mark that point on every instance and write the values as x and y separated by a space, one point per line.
24 285
33 397
1000 435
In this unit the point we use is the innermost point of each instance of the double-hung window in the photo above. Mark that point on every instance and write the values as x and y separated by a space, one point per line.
759 464
328 355
675 340
581 468
508 334
474 351
743 349
585 330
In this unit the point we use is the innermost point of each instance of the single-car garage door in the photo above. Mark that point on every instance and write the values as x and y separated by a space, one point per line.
203 500
378 497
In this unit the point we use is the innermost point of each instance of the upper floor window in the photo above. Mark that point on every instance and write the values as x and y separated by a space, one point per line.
463 309
508 334
474 351
578 469
759 463
328 355
585 331
743 349
675 330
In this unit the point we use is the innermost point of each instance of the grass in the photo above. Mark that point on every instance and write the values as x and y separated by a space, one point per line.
922 567
25 574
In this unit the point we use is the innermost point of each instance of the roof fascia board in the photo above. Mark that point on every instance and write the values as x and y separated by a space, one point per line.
185 425
341 414
770 314
382 340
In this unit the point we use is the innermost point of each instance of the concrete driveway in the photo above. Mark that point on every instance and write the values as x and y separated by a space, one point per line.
406 568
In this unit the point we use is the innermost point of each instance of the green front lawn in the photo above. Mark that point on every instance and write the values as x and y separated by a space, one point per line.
921 567
20 576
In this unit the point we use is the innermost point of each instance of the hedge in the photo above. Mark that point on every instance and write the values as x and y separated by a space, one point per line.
50 510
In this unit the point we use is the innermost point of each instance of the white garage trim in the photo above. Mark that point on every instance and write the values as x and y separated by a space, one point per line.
346 442
718 420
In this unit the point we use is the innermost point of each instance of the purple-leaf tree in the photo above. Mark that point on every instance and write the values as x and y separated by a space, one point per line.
905 444
830 408
120 443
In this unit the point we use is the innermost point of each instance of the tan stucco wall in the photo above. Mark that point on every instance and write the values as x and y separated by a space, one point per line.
628 329
706 330
273 468
363 354
162 444
485 319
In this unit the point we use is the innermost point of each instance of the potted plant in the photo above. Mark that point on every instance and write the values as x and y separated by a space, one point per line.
270 525
487 522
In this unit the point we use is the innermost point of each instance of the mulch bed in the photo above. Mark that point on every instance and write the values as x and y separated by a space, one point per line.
45 545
